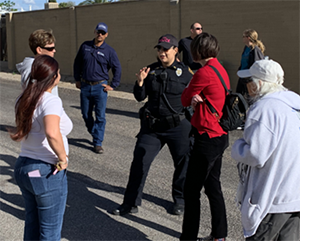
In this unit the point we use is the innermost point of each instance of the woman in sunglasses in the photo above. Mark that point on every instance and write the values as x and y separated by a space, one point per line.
42 126
40 42
162 122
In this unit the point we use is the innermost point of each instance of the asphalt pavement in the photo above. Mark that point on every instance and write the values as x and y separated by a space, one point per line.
97 182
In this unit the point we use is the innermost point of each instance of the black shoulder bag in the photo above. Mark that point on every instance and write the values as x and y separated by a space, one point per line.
234 109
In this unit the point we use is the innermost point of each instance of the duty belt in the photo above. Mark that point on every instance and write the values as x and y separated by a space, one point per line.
92 82
163 123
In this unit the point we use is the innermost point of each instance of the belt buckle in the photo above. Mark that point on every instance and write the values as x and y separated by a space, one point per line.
92 82
95 82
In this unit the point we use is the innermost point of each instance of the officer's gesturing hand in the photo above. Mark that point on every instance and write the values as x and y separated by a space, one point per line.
143 73
107 87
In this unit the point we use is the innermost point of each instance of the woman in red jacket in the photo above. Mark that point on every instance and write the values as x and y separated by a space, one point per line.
210 140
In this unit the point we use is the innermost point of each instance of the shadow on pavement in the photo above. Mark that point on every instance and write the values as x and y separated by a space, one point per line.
115 112
82 143
87 210
87 215
15 199
5 128
121 112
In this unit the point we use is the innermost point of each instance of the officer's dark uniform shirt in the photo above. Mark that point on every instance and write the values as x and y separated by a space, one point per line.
178 77
92 63
184 46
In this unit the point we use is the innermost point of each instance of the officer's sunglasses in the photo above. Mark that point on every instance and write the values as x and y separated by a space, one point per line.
198 28
101 32
49 48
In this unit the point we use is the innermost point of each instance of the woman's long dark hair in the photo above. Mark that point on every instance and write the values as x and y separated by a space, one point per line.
42 77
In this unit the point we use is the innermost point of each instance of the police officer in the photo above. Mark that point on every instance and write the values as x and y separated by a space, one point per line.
162 122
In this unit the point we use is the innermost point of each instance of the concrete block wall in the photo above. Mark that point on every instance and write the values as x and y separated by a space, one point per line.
277 24
24 23
135 26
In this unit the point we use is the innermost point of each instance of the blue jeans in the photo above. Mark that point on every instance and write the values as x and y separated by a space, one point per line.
45 199
94 97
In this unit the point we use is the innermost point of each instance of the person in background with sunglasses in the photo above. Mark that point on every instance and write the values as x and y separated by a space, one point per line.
162 122
184 46
91 65
40 42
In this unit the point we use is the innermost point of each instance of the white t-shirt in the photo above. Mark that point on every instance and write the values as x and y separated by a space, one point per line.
36 145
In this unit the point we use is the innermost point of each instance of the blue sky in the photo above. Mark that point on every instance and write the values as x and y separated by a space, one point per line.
36 4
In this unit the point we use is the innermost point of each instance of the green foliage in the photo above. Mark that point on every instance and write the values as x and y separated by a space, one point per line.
52 1
66 4
89 2
8 6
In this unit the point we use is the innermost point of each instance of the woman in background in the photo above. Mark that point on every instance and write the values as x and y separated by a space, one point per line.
254 50
42 126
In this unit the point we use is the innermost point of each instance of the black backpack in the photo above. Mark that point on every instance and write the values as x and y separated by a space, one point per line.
234 109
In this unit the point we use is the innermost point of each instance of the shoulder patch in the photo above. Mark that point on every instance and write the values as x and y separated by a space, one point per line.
189 69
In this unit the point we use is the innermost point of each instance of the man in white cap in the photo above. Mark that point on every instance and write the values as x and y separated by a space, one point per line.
91 65
268 157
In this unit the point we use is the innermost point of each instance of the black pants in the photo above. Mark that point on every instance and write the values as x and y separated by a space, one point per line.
148 145
204 169
278 226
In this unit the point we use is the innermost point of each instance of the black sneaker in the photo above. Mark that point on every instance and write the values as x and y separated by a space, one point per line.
210 238
125 209
98 149
178 209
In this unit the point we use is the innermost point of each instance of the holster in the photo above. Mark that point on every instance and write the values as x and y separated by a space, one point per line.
160 124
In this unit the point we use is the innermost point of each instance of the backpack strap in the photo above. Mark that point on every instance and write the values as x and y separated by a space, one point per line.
220 77
212 109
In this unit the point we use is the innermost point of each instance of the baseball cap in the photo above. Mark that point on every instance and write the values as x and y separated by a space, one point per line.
167 41
265 69
101 26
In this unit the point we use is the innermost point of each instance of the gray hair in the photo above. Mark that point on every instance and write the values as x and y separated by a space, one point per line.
264 88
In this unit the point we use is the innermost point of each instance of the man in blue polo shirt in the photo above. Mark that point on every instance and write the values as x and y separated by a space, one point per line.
91 65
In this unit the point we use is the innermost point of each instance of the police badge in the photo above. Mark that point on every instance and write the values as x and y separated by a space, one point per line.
179 72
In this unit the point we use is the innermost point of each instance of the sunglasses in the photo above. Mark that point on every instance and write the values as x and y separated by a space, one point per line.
198 28
49 48
101 32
